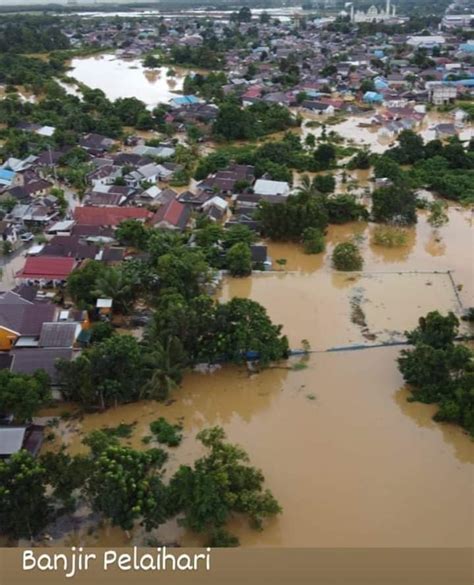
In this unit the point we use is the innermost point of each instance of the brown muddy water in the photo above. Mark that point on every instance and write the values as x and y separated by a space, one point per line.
350 460
356 130
122 78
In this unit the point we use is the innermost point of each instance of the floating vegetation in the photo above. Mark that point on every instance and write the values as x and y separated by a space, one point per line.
301 365
122 431
166 433
389 236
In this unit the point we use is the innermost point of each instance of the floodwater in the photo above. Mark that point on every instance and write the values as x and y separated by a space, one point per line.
350 460
427 249
321 304
283 14
122 78
358 131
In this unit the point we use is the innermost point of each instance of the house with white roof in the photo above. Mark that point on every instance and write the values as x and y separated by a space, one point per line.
268 188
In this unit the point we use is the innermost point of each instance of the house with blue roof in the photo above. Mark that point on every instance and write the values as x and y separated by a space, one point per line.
372 97
467 47
380 83
185 100
6 177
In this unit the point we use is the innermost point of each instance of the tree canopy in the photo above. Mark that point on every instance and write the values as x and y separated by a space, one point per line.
440 370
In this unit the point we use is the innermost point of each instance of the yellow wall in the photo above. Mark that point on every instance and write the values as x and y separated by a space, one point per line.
7 338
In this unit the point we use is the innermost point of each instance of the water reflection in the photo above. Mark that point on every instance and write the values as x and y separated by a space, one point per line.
121 78
396 254
348 468
422 415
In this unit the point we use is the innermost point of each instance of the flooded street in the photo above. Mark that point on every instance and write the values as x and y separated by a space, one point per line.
123 78
350 460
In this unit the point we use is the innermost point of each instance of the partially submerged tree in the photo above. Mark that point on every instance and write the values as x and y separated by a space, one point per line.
347 257
219 485
24 506
439 370
126 486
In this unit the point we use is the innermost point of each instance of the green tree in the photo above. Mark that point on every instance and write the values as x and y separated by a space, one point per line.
7 248
243 327
438 216
325 183
361 160
126 486
81 283
440 371
166 433
238 234
395 204
116 284
151 62
22 395
108 373
347 257
325 156
164 364
220 485
287 221
313 241
344 208
234 123
435 330
239 259
24 506
66 474
410 148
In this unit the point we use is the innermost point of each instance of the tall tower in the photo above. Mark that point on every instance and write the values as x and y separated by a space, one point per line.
387 10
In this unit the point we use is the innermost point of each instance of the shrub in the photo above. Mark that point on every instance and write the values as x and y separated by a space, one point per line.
166 433
347 257
313 241
390 237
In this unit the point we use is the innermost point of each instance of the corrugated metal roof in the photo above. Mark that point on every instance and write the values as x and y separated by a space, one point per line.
59 334
11 439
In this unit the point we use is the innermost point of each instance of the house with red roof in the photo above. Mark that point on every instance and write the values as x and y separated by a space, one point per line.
45 269
109 216
173 215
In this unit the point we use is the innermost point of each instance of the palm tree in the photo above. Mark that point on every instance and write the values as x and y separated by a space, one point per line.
307 188
115 285
165 362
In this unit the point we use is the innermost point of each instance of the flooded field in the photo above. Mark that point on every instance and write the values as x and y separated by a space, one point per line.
122 78
350 460
427 249
334 309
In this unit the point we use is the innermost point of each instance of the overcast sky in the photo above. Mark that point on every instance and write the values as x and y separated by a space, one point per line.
81 2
